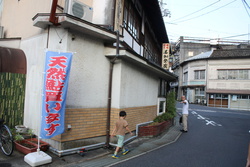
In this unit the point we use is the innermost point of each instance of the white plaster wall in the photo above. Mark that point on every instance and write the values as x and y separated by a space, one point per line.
138 87
103 9
10 43
116 84
34 49
215 83
88 81
87 85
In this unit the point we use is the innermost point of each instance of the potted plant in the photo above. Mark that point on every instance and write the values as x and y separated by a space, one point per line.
27 143
163 121
21 129
22 145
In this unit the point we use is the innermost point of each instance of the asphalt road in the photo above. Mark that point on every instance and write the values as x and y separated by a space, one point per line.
216 138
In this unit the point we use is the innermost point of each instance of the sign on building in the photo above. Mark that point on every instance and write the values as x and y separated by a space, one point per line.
165 55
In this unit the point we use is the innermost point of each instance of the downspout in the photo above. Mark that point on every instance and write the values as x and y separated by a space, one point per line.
112 62
47 44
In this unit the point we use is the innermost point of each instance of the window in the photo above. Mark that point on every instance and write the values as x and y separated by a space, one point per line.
217 96
161 107
200 91
199 74
234 74
222 74
131 20
224 96
190 53
240 97
150 48
243 74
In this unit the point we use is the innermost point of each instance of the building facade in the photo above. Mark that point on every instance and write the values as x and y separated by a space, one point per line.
190 48
116 64
218 78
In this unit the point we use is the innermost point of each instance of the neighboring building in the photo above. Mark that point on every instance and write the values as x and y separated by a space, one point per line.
138 83
188 47
219 78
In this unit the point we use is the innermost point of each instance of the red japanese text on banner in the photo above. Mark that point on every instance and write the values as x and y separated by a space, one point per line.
57 69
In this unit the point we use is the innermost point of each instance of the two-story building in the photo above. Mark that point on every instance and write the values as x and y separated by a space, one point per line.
187 48
117 46
218 78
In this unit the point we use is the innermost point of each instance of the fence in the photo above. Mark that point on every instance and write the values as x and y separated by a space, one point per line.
12 93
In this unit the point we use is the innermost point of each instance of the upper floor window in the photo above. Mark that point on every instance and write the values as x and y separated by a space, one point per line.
200 91
190 53
199 74
131 20
150 48
234 74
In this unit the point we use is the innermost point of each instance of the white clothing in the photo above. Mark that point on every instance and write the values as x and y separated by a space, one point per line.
185 107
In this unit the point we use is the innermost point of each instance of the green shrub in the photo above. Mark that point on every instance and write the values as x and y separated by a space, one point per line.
170 112
171 103
164 117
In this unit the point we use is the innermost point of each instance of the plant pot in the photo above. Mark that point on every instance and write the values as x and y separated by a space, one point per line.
25 146
21 129
43 145
154 129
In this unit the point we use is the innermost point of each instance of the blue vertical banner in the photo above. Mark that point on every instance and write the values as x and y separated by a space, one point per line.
56 76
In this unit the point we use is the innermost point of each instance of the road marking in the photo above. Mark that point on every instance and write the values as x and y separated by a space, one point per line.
180 109
210 122
201 117
207 120
193 112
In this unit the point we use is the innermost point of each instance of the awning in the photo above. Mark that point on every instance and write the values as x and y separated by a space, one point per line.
12 60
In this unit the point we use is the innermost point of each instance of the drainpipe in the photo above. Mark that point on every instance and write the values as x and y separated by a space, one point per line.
112 62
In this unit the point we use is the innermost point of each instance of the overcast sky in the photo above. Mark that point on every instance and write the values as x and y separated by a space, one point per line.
208 18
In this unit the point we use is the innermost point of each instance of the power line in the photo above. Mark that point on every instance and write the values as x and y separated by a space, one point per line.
237 35
206 13
244 4
196 11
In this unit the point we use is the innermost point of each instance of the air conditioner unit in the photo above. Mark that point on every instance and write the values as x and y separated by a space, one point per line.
80 10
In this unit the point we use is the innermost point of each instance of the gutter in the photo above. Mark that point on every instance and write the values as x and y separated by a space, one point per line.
112 62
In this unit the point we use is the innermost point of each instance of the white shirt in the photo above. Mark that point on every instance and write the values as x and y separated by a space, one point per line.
185 107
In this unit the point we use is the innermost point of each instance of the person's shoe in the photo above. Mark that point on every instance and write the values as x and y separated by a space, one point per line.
125 152
184 131
115 156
